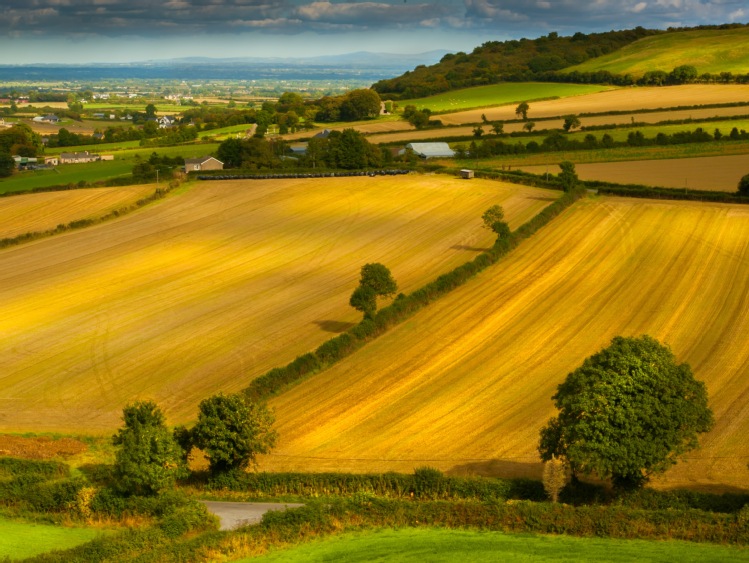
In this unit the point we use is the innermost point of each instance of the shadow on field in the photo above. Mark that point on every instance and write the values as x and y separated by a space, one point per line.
470 248
499 468
335 326
540 198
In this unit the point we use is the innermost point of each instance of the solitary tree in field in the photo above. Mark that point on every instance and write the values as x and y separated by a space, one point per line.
148 459
498 127
744 184
571 122
628 412
522 110
375 281
478 131
232 432
529 126
568 177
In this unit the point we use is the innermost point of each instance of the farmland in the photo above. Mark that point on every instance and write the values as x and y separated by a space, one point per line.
43 211
19 540
466 384
716 173
214 286
712 51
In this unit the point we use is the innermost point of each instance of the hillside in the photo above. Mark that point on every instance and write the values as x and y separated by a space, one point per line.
709 51
512 60
209 288
466 384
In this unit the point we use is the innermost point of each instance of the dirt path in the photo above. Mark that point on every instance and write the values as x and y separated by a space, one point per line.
236 514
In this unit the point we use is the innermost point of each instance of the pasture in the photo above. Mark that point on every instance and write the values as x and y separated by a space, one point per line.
713 51
19 540
215 286
440 545
42 211
500 94
465 385
713 173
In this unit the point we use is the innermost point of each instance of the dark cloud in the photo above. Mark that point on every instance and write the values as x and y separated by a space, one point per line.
508 18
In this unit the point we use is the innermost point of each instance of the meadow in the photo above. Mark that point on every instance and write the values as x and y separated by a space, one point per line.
466 384
500 94
440 545
211 287
42 211
713 51
19 540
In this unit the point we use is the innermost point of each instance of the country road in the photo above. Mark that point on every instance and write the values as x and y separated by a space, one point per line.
235 514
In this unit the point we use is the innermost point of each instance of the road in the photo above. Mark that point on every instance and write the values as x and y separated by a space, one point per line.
235 514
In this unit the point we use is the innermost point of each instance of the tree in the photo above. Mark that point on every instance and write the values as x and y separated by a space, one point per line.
498 127
375 281
232 431
148 459
151 111
554 477
529 126
522 110
7 164
744 184
493 215
627 413
568 177
571 122
478 131
230 152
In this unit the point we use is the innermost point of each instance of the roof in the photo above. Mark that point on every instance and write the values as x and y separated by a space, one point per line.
430 150
201 160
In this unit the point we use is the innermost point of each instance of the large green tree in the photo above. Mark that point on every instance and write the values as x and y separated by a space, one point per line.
7 164
233 431
375 281
148 459
568 176
743 186
627 413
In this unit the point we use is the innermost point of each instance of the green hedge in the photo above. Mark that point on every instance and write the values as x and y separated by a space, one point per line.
423 484
278 379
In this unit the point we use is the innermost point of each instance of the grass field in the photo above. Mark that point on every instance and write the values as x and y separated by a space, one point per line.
439 545
500 94
205 290
715 173
43 211
713 51
19 540
466 384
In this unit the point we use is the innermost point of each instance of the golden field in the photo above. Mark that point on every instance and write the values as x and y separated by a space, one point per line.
209 288
466 384
712 173
25 213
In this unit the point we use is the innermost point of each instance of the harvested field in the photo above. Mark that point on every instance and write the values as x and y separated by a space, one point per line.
42 211
466 384
215 286
623 99
39 447
715 173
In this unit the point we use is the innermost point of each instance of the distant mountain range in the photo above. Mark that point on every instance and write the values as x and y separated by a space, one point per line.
363 67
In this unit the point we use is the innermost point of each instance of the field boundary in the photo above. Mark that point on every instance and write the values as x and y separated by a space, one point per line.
279 379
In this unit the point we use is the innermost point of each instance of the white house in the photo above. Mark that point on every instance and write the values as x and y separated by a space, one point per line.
203 163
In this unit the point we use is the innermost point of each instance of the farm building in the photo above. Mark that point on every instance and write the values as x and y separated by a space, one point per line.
203 163
430 150
78 157
166 121
467 174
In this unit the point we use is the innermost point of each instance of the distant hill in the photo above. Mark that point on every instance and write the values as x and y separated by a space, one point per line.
712 51
615 57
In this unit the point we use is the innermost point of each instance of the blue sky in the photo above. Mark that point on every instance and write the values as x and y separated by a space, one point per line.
134 30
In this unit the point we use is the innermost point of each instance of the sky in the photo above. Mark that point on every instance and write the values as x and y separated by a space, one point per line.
86 31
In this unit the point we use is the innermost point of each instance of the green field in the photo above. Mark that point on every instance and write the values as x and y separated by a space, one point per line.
712 51
500 94
439 545
19 540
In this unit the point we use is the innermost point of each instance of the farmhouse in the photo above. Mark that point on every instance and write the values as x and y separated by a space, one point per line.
50 118
203 163
78 157
166 121
430 150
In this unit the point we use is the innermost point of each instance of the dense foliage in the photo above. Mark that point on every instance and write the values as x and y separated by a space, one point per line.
148 459
375 281
628 412
233 431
